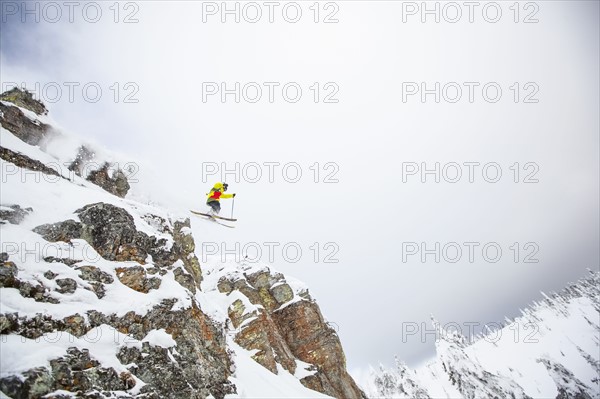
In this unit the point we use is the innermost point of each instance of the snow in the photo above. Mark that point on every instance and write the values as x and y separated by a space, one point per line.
20 354
215 269
560 330
302 369
60 392
119 299
254 381
54 199
290 302
32 115
160 338
13 143
555 338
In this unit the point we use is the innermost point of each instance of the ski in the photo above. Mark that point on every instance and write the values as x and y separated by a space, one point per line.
222 224
213 216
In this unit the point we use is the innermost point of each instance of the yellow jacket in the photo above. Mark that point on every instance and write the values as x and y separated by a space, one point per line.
216 193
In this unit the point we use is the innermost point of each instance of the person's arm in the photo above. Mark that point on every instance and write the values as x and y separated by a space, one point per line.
227 195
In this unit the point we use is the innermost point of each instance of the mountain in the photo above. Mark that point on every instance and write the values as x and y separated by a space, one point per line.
551 351
103 295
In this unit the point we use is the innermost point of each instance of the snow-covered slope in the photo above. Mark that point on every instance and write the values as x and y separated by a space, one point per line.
551 351
102 295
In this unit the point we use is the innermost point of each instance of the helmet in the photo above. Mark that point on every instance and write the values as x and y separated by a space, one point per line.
218 186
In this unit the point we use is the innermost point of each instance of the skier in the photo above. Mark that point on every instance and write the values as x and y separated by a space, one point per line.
215 195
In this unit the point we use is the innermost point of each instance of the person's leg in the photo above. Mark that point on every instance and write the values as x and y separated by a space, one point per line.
211 209
215 207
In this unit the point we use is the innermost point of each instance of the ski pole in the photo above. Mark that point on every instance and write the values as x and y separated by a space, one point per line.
232 205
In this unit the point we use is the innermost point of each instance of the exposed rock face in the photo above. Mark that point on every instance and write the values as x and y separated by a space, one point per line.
95 277
24 99
23 161
136 279
313 341
284 325
14 215
15 121
8 271
271 315
84 155
184 248
62 231
199 367
111 231
9 279
106 175
113 181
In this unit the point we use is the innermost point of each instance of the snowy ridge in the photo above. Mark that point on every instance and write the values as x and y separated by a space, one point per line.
551 351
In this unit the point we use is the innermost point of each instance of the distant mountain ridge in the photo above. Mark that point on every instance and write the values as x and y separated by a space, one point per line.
551 351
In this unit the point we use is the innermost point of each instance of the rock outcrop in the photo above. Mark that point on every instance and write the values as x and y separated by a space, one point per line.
23 161
13 214
24 99
199 366
31 130
284 324
111 231
271 315
107 176
109 301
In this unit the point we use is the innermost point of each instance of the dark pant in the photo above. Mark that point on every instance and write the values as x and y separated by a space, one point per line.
215 205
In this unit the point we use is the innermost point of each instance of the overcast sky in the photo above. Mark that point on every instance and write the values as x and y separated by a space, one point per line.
368 126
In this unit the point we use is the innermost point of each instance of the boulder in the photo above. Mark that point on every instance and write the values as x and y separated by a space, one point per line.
110 179
111 231
8 272
282 293
62 231
15 215
23 161
67 285
136 279
24 99
30 131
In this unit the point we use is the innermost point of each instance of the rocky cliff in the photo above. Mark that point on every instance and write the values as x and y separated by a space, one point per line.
280 320
104 296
